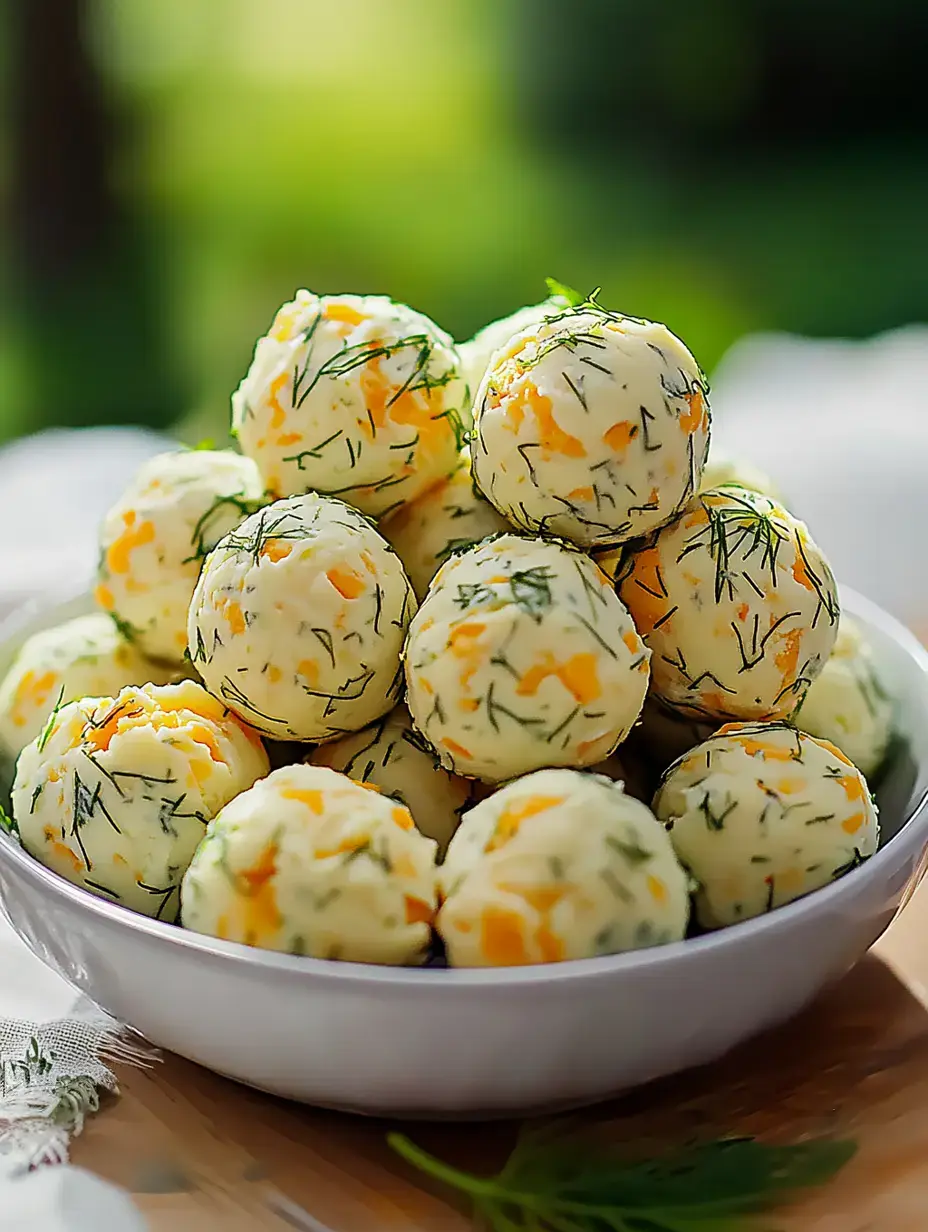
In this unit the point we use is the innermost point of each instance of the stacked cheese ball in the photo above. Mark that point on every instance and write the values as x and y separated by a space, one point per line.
484 600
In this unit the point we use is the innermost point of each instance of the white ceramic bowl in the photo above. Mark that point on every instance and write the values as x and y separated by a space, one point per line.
435 1043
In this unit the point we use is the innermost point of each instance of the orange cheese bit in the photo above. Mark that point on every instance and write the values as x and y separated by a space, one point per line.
32 690
511 818
133 536
620 435
343 313
656 888
403 818
502 938
311 797
852 824
577 674
643 590
417 911
455 749
104 597
787 658
348 583
696 417
260 913
551 436
278 414
63 851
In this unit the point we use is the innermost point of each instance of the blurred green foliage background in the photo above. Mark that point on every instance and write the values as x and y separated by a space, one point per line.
172 170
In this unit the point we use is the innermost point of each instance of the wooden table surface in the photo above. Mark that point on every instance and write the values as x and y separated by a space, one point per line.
200 1153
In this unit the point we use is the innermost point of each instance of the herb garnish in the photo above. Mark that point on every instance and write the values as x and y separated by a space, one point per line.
578 1184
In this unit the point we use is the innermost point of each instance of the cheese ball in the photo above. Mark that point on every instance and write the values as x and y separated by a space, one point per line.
391 756
761 814
309 862
478 351
446 519
737 604
84 657
116 794
355 396
521 656
848 704
723 470
155 537
298 620
591 426
559 865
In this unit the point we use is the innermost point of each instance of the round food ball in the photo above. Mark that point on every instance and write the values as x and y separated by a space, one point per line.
298 620
355 396
722 470
761 814
155 537
309 862
559 865
737 604
477 352
521 656
447 518
391 756
116 794
84 657
592 426
848 704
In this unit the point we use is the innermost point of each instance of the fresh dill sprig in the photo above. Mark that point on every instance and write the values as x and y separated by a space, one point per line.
49 726
577 1183
558 290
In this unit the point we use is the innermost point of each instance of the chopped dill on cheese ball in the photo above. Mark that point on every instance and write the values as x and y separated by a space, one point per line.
738 605
592 426
309 862
848 704
116 794
298 620
355 396
391 756
521 656
84 657
559 865
477 352
447 518
761 814
154 539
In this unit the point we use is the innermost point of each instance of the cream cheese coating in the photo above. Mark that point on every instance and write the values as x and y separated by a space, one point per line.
447 518
116 794
355 396
154 539
521 656
84 657
477 352
298 620
721 469
848 705
592 426
391 756
761 814
737 604
309 862
559 865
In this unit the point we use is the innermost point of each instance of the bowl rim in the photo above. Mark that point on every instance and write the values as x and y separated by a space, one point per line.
913 830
